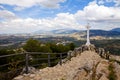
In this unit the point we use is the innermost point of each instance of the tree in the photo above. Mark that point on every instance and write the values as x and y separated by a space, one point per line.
71 46
5 52
45 49
60 48
53 47
32 45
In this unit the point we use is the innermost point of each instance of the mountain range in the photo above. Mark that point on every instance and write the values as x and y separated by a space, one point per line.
104 33
111 33
57 31
116 29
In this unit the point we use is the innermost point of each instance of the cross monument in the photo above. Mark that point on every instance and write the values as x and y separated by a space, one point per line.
88 38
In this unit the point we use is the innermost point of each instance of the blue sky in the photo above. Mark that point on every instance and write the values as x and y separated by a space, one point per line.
28 16
36 11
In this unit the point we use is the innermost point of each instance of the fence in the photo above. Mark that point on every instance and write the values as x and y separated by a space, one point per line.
48 58
28 56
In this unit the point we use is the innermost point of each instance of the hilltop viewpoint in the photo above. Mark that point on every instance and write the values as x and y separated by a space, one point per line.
84 63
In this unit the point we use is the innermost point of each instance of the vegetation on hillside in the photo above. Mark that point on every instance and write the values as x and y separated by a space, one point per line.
36 46
112 75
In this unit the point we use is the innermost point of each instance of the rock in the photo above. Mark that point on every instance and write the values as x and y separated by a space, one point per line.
18 78
87 68
32 75
103 78
102 70
80 75
117 70
25 74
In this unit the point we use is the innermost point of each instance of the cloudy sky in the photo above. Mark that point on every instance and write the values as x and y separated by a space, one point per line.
26 16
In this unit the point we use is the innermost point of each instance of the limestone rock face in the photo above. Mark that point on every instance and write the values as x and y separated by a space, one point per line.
86 66
117 70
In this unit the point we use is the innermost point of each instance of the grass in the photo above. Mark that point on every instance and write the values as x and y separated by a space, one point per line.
112 75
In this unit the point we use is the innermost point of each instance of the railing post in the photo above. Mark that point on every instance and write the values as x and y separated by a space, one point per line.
26 62
60 58
49 60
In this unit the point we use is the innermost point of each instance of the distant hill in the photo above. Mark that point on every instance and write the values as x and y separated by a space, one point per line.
58 31
103 33
64 31
41 32
116 29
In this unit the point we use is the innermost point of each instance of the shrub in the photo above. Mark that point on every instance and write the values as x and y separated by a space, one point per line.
112 75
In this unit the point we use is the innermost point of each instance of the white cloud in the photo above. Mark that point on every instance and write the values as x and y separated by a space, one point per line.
109 0
7 15
66 20
93 12
21 4
18 25
117 2
99 16
1 7
101 2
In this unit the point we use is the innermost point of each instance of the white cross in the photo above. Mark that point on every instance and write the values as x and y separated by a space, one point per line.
88 38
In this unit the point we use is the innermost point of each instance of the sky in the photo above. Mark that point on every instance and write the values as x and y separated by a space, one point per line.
27 16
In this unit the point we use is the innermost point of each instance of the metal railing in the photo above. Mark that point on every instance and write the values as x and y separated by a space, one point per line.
26 60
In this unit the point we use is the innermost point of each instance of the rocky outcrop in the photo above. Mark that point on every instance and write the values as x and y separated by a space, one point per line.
86 66
84 63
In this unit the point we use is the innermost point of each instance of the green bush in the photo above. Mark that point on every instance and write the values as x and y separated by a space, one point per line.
112 75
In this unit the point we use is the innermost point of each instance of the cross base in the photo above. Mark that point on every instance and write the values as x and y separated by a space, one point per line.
88 43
